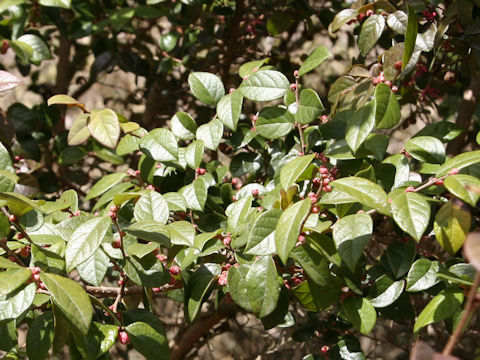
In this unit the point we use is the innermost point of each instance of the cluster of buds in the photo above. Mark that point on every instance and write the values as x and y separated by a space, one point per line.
255 192
123 337
326 176
222 279
35 277
227 239
236 183
200 171
429 92
113 211
429 15
117 242
174 270
381 79
360 17
302 238
133 173
419 71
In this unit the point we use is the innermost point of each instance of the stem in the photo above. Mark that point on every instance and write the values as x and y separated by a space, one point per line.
17 226
299 126
5 247
110 291
469 309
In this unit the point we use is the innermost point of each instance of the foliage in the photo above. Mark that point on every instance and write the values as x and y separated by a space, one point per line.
251 199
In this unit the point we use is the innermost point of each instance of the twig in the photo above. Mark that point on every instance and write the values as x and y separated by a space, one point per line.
470 307
9 252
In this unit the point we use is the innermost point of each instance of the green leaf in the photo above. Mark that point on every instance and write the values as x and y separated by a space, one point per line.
148 341
93 269
410 36
229 109
104 184
426 149
313 262
274 122
251 67
167 42
199 284
40 336
387 109
361 313
459 162
314 59
5 4
6 182
351 234
109 195
385 291
19 204
79 132
183 126
85 240
15 304
340 19
64 100
40 49
289 227
104 127
422 275
211 134
317 298
182 233
129 143
8 81
451 225
56 3
442 130
141 250
206 87
22 50
160 144
402 167
398 257
176 202
237 213
279 22
397 21
441 307
261 240
151 206
360 126
11 280
371 31
150 231
194 154
147 271
7 264
255 287
71 299
465 187
411 212
47 260
339 87
195 194
293 169
363 191
265 85
100 338
309 108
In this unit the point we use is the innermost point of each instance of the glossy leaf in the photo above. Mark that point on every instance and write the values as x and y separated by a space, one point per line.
426 148
40 48
160 144
40 336
11 280
398 258
452 223
385 291
251 67
293 169
85 240
341 18
206 87
459 162
410 36
361 313
229 109
397 21
7 264
463 187
289 227
93 269
6 183
195 194
363 191
19 204
183 126
151 206
411 212
313 262
71 299
15 304
351 234
261 240
360 126
309 108
237 212
317 57
194 154
182 233
441 307
149 341
265 85
422 275
197 288
387 109
274 122
372 29
211 134
316 298
79 132
66 4
104 184
8 81
150 231
104 127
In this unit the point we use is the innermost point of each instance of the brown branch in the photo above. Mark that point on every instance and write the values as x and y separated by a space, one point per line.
466 109
187 339
231 45
108 291
470 307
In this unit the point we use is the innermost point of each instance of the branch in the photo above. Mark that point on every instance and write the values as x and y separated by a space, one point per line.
107 291
231 46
